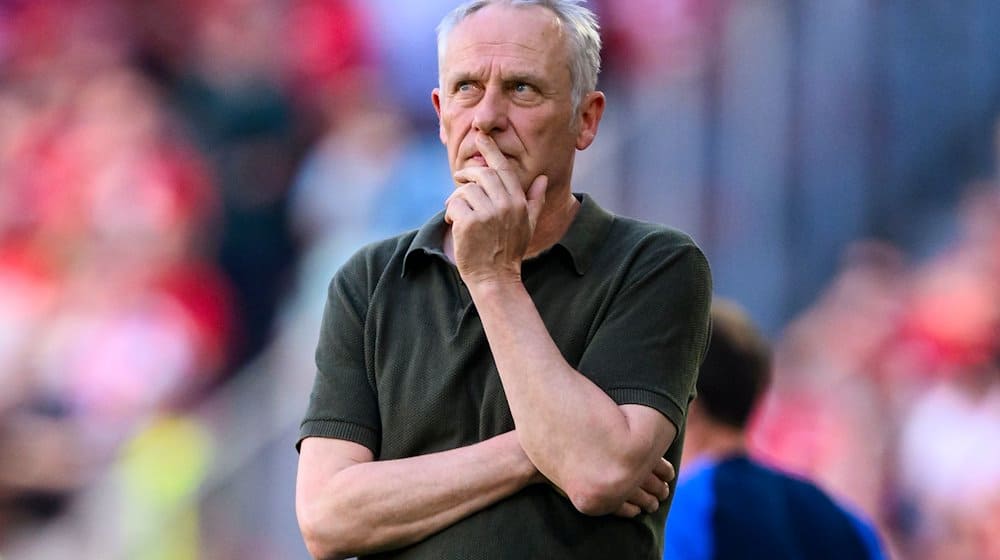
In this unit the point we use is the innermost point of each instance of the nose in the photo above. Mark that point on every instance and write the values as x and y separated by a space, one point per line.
491 111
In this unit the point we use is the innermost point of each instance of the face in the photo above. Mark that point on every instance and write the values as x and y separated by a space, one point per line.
505 73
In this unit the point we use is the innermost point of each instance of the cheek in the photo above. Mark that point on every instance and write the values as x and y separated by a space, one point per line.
550 137
453 127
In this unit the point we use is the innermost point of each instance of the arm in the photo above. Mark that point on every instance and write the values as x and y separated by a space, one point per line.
348 504
595 450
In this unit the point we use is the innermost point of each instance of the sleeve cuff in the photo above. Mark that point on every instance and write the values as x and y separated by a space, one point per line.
664 404
339 429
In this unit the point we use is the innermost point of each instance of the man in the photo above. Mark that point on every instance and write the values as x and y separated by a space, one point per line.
728 506
493 384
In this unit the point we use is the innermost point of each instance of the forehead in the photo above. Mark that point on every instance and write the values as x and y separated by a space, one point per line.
528 35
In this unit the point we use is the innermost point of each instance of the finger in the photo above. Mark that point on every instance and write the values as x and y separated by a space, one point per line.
491 152
487 178
498 162
664 470
628 510
474 196
656 487
456 209
644 500
536 200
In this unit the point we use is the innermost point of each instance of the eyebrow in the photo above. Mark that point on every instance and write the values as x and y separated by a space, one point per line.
524 77
516 77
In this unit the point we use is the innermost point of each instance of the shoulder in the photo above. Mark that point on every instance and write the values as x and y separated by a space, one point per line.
625 229
383 253
647 242
372 262
839 518
649 252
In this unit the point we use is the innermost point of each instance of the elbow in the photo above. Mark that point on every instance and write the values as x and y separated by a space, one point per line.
323 539
594 503
601 494
321 549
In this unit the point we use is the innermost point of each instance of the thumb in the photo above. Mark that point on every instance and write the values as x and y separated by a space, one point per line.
536 198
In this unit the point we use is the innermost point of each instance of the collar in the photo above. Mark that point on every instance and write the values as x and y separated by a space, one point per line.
581 241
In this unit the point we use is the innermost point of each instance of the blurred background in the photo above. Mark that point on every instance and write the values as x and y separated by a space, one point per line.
179 179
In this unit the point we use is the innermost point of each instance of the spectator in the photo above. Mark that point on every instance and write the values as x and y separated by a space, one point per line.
730 506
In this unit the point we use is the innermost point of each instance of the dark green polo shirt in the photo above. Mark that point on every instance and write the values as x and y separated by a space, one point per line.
405 369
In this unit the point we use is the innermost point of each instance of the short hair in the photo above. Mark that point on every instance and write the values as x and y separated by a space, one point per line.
737 367
582 32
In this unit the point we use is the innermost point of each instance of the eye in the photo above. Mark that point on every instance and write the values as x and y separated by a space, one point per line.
465 87
522 87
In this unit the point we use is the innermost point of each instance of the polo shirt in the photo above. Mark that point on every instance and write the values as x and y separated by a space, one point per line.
404 368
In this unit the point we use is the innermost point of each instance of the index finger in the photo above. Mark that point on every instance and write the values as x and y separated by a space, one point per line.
498 162
491 152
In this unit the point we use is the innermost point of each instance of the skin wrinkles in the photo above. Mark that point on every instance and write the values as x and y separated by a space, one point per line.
507 96
506 93
484 68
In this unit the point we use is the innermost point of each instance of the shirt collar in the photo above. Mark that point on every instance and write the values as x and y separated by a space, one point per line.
581 241
587 233
428 241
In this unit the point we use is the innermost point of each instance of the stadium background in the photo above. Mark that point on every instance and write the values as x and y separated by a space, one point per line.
180 178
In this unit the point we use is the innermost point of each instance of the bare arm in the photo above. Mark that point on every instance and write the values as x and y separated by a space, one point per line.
574 433
347 504
596 451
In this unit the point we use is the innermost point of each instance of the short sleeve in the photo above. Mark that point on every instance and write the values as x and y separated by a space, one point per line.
648 348
343 403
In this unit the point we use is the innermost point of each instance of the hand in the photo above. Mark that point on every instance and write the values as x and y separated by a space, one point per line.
654 489
647 496
492 217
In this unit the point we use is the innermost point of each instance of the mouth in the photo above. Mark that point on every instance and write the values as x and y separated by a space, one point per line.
477 159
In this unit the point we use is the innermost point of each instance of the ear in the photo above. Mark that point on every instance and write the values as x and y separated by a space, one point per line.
591 111
436 100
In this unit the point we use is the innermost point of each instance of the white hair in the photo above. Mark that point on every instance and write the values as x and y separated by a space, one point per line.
582 32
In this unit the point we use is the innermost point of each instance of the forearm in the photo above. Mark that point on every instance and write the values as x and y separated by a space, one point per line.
573 432
382 505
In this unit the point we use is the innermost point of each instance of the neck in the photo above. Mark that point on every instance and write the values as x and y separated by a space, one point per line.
554 220
713 441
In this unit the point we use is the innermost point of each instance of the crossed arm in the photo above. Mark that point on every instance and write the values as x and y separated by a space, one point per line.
606 458
348 504
573 432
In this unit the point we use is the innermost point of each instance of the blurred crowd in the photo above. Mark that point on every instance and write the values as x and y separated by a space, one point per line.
179 179
887 390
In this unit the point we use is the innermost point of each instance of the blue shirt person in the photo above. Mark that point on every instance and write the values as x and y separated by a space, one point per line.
728 505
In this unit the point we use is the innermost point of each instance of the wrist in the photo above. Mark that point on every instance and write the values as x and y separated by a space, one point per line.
518 461
493 281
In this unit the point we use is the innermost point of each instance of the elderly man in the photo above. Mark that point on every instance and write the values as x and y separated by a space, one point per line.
508 381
